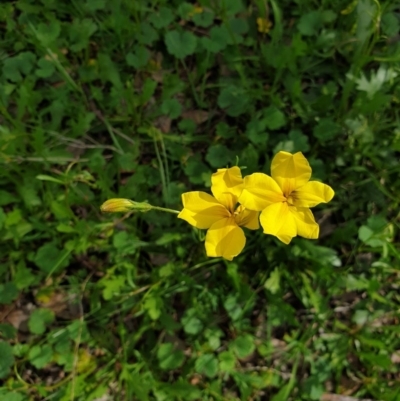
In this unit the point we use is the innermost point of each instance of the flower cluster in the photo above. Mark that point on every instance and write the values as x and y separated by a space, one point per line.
280 202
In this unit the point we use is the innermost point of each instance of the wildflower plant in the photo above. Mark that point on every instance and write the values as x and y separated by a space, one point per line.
280 202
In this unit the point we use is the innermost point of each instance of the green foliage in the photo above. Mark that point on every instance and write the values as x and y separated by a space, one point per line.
6 359
145 100
180 44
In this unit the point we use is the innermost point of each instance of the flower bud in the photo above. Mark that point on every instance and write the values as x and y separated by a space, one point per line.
117 205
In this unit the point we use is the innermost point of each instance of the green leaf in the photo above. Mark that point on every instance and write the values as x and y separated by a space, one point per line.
46 68
219 156
191 324
29 193
153 305
328 16
162 17
50 258
7 331
39 356
376 233
390 24
112 286
172 108
139 58
207 364
366 12
376 81
148 89
44 177
310 23
256 130
234 100
180 44
314 388
12 397
3 218
233 307
147 34
227 361
204 19
13 218
14 67
378 360
195 168
94 5
6 359
238 26
232 7
224 130
6 198
8 292
169 358
39 319
274 118
217 41
326 130
243 345
179 390
296 142
48 33
273 282
360 317
249 158
80 32
108 71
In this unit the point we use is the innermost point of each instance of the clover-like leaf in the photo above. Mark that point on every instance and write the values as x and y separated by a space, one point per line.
180 44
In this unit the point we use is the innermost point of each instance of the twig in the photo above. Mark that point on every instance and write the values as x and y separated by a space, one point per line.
78 340
339 397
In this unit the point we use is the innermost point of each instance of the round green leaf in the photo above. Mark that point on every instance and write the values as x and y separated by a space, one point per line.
207 364
168 357
243 345
180 44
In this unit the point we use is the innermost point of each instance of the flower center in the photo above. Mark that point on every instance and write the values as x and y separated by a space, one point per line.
237 214
291 199
239 209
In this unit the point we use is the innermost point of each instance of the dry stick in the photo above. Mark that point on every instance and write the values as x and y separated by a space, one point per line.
339 397
78 340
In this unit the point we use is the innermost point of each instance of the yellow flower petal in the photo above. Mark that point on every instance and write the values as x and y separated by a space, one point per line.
227 185
201 210
277 220
313 193
264 25
290 171
260 191
247 218
285 239
225 238
305 222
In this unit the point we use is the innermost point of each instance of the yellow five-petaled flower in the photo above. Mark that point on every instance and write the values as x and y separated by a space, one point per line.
220 214
284 198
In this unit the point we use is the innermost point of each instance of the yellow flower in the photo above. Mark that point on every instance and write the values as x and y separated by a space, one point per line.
285 198
264 25
219 214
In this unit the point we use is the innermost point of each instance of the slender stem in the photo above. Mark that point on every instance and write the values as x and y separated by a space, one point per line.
191 83
164 209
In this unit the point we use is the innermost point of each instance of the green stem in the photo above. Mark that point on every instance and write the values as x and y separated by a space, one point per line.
191 83
164 209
